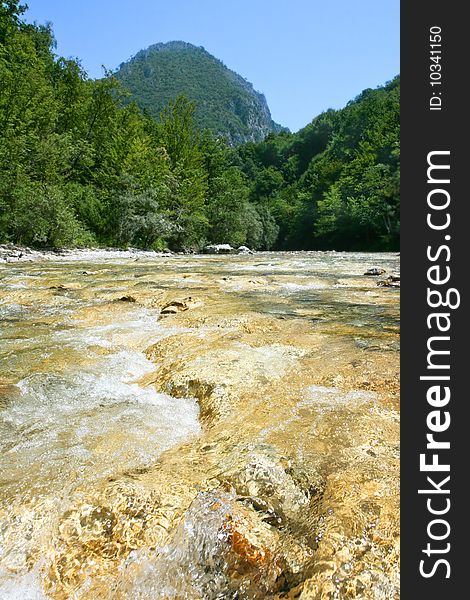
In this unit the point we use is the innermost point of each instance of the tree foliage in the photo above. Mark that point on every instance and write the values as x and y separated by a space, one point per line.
81 165
335 183
224 102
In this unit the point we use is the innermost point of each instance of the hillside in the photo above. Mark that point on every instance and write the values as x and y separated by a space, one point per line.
336 182
226 103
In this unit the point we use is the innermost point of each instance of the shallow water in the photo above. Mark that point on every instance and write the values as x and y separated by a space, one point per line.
288 354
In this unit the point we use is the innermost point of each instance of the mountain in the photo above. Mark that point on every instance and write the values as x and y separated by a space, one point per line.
226 103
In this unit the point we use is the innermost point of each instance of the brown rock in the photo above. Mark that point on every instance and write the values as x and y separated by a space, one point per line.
374 271
127 299
391 281
181 305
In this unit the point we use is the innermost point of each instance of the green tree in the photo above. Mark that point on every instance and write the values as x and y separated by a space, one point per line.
41 215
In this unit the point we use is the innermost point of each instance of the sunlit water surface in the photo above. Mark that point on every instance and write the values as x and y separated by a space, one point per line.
74 410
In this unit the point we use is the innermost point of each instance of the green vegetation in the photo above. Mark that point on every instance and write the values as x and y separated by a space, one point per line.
81 165
225 103
335 183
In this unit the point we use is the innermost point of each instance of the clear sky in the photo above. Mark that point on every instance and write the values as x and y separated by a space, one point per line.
304 55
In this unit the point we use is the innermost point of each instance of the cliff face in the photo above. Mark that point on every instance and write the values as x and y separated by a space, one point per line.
226 103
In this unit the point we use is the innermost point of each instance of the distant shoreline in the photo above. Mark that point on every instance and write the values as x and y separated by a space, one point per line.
13 254
10 253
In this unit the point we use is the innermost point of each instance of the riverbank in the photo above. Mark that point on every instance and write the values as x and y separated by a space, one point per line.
287 486
11 254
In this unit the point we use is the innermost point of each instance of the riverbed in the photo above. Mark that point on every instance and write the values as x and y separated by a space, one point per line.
200 427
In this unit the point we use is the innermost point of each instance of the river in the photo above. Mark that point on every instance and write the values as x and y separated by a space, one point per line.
246 447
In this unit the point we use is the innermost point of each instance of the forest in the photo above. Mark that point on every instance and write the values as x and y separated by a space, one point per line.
82 166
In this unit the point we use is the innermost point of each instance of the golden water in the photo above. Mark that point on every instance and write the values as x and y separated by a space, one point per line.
244 448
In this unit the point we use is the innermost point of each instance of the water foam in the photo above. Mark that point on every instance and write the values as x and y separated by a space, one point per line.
21 587
91 422
80 423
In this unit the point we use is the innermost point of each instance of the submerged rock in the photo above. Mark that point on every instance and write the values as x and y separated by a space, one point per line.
273 482
127 299
218 375
65 287
391 281
176 306
374 271
221 549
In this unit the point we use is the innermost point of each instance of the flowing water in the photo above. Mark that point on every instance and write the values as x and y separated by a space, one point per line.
244 448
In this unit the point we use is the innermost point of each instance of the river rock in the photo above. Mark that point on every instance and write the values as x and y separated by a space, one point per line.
65 287
237 553
374 271
244 250
217 375
391 281
9 252
261 559
176 306
275 483
219 249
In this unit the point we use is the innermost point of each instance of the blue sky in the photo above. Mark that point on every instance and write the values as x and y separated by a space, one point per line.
304 55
